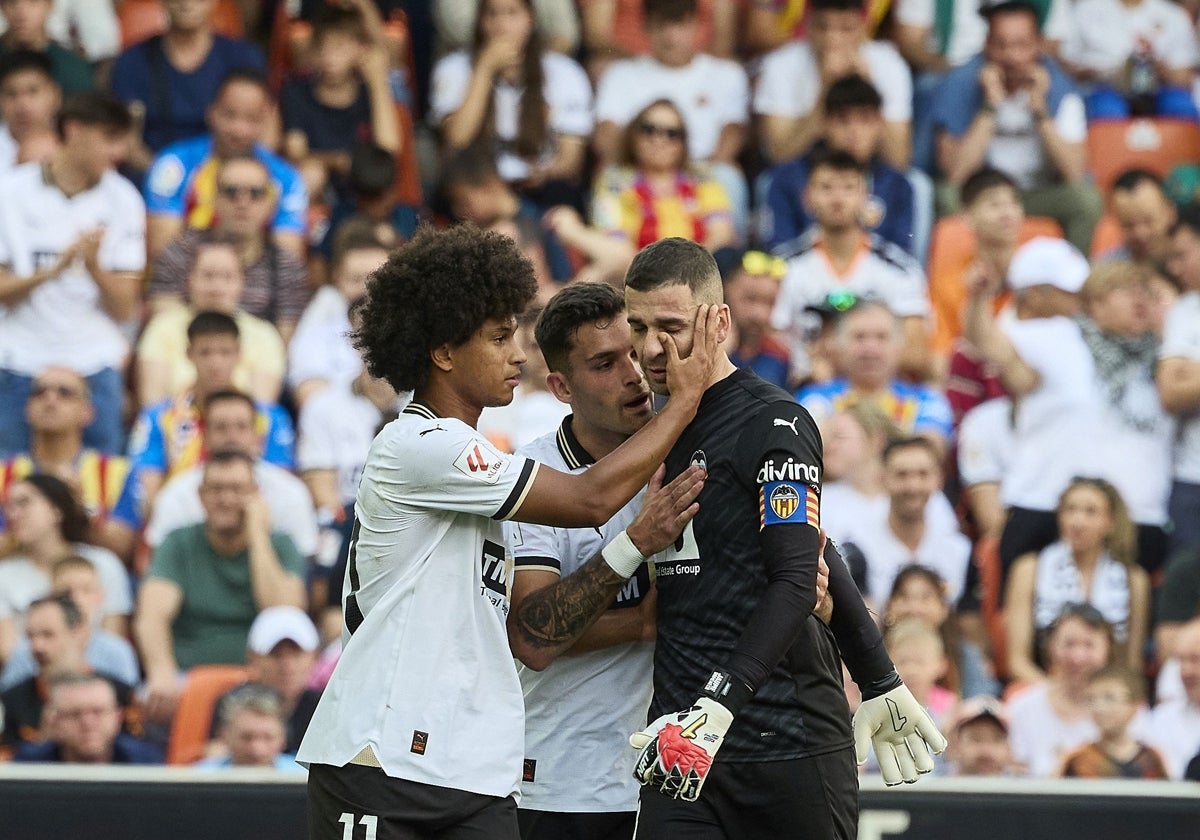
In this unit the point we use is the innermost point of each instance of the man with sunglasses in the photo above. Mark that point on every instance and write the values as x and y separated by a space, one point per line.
275 282
182 184
59 408
751 282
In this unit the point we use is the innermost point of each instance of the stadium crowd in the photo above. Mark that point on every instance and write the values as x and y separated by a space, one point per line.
1000 347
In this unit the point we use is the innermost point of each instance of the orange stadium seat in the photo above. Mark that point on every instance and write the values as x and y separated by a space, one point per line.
193 716
142 19
1155 144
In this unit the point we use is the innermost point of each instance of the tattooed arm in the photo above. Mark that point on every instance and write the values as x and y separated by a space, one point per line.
550 614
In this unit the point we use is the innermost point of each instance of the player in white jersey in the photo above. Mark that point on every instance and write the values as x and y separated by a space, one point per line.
585 643
420 732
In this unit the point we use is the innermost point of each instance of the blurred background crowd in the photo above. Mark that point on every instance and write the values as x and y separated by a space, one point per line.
962 232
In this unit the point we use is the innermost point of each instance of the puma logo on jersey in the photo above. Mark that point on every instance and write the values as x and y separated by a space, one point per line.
434 429
788 471
792 425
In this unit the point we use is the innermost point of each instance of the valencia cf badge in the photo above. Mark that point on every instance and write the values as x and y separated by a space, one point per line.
784 501
698 460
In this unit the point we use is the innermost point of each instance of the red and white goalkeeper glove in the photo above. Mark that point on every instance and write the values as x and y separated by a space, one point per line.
677 750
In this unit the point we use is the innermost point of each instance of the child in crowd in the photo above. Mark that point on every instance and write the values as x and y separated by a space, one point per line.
1114 695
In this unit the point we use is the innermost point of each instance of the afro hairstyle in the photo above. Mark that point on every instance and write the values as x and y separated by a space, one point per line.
439 288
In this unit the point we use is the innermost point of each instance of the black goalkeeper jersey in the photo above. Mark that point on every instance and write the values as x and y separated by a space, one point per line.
763 456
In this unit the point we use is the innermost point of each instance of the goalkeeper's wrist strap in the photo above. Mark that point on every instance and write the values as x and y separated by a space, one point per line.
622 555
728 690
881 686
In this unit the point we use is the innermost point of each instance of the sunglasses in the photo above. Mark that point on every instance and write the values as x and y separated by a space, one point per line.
756 262
236 191
62 391
649 129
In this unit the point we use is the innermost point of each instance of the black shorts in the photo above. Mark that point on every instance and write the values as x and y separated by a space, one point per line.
364 803
555 825
801 799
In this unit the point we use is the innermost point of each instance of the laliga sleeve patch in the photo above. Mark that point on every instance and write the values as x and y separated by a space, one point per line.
480 461
166 176
786 502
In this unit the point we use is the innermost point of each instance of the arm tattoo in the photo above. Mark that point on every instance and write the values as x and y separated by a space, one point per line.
559 614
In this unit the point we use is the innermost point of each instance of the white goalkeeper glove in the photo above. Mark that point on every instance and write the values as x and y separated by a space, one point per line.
902 733
677 750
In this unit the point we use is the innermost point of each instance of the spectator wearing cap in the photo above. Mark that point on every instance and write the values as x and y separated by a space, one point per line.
791 87
321 354
83 726
274 286
251 732
183 181
1133 56
281 651
1175 724
866 345
1178 378
839 255
1045 364
751 283
979 739
1145 215
1011 108
29 102
853 123
208 582
72 247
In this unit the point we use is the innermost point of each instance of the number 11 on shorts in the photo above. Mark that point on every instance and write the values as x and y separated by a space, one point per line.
369 822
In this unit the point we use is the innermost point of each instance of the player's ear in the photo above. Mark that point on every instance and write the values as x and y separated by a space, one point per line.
443 358
724 323
559 387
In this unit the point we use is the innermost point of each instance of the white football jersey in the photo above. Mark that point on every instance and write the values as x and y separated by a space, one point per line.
580 710
426 686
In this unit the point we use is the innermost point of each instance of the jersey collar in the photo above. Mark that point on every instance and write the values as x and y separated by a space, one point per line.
421 410
570 448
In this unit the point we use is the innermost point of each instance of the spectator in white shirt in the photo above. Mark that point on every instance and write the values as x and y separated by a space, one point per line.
795 78
1175 726
713 94
29 101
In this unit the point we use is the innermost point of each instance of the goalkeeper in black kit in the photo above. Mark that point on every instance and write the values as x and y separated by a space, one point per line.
751 734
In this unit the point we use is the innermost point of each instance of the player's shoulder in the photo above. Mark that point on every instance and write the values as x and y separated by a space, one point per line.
893 256
764 406
120 190
799 247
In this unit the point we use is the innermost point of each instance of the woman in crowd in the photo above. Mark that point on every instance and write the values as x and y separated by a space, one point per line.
1093 562
657 192
532 105
45 525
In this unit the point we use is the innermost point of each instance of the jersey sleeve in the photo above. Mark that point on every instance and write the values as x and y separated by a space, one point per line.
280 437
316 448
166 185
535 548
123 247
451 77
170 559
934 414
780 456
292 214
454 468
147 447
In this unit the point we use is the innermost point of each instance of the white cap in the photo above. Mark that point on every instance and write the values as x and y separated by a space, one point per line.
276 624
1048 261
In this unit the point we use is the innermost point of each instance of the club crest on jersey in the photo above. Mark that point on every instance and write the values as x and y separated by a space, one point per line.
699 460
480 461
781 503
789 470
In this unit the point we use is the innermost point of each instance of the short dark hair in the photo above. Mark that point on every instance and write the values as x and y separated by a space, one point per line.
912 442
26 61
212 323
1124 675
229 395
64 602
575 306
1088 615
837 5
352 236
224 457
674 262
94 108
667 11
990 8
1131 179
439 288
835 159
473 166
982 180
1188 217
247 76
73 519
372 170
331 19
850 92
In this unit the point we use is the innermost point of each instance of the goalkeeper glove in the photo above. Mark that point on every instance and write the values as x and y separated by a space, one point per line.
677 750
901 730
